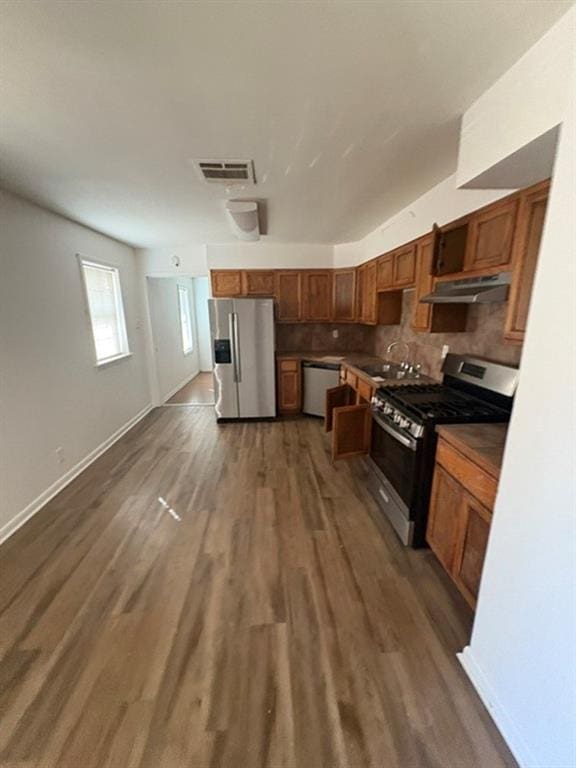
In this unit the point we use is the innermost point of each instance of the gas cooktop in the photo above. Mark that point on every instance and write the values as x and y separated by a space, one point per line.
437 402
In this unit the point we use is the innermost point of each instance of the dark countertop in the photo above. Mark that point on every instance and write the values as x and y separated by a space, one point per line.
481 443
353 360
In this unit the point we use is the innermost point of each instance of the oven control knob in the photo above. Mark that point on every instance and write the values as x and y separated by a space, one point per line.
388 408
404 423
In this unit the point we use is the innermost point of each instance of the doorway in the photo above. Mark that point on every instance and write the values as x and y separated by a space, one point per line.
181 339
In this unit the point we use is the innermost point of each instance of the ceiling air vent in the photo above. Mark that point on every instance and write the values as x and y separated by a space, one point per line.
226 171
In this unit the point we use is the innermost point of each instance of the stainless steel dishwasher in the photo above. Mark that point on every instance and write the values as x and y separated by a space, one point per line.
318 377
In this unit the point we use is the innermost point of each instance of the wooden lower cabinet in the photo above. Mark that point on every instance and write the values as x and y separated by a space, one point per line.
471 546
352 426
444 517
289 386
337 397
348 416
458 522
364 391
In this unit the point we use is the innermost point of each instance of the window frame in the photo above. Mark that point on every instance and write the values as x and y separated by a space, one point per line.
183 289
119 301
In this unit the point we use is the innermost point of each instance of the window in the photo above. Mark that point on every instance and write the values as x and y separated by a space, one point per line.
185 322
104 297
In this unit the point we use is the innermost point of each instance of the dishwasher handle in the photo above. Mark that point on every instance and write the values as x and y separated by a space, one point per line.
322 366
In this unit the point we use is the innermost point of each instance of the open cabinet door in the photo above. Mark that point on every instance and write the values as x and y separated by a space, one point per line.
352 431
336 398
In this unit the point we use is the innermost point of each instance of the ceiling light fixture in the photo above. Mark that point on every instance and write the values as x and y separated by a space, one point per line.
243 219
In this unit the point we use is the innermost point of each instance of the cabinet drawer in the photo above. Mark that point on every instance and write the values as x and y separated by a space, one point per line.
288 365
351 379
364 389
479 483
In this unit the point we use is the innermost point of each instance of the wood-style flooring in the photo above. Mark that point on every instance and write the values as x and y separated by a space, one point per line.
259 617
199 391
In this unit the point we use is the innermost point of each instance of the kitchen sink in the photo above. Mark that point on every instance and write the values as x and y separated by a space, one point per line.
388 371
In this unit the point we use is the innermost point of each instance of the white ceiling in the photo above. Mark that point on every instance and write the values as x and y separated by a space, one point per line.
349 110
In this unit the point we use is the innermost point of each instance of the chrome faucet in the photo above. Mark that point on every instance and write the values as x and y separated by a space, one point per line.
405 364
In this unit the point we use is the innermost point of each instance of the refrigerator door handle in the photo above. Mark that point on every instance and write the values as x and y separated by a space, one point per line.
236 346
232 335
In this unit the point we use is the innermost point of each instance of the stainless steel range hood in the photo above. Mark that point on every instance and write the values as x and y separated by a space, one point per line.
471 290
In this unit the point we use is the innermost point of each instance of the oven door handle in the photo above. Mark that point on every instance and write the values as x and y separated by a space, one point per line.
409 442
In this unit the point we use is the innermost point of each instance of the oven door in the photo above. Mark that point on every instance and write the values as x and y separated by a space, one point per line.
397 457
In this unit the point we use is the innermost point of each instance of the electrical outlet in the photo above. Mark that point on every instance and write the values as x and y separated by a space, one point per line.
335 333
445 350
59 455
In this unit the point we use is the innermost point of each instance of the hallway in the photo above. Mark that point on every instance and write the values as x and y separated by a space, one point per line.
199 391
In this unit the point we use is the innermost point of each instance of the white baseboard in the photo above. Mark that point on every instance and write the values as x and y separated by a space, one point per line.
510 733
36 505
184 381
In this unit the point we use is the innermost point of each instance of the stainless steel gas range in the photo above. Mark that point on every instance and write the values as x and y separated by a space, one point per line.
403 443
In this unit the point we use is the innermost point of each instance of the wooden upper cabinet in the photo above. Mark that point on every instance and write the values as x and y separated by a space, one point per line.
405 265
259 282
471 547
424 284
360 291
527 237
370 302
289 296
352 426
226 283
318 296
385 274
490 236
444 517
450 243
433 318
344 296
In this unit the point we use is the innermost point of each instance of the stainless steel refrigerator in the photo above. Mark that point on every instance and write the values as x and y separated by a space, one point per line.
242 333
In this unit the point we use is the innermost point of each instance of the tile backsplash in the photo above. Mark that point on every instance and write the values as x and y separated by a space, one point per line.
483 337
318 337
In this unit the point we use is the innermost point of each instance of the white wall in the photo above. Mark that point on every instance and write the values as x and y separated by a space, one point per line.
522 655
159 262
173 367
528 100
201 296
51 393
265 255
441 204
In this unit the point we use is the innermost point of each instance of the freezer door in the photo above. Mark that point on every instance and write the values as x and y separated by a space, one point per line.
254 344
222 341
